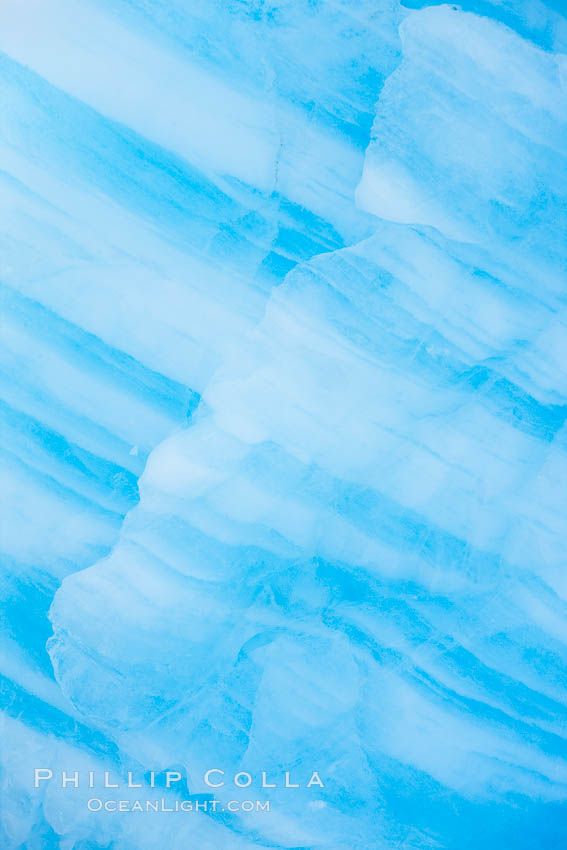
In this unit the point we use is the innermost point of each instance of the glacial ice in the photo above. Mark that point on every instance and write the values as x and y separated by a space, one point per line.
284 411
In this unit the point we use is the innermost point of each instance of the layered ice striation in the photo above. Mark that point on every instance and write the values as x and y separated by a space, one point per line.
284 291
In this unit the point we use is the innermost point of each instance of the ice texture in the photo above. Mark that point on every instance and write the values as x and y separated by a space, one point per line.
284 399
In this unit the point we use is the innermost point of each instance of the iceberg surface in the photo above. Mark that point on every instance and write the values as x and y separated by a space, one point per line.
284 403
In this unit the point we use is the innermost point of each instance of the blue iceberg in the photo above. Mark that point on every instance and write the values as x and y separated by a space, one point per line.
284 394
